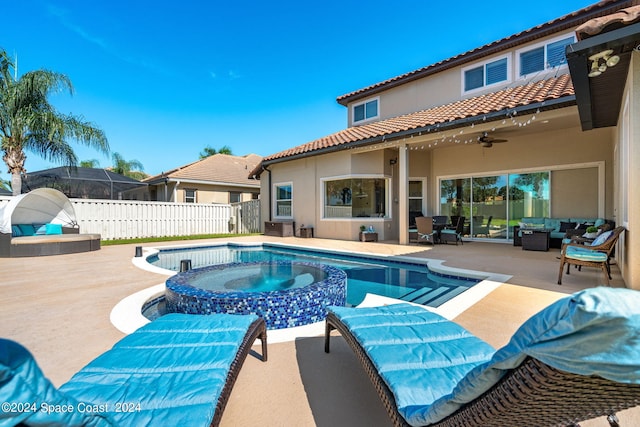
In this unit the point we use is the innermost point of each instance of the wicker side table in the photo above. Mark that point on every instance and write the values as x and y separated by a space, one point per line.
368 236
535 240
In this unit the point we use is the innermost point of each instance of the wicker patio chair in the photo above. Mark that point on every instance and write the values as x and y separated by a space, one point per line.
426 233
177 370
429 371
597 254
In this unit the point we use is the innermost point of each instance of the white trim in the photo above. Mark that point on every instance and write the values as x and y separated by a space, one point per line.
387 188
369 119
274 195
483 64
623 160
535 46
424 192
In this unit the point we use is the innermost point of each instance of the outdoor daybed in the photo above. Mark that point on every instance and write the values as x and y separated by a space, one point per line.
42 222
175 371
575 360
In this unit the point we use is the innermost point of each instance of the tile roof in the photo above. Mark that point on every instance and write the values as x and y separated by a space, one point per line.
616 20
565 22
219 168
532 93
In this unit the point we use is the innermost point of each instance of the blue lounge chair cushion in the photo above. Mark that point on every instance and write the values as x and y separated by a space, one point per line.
583 254
174 369
434 367
29 397
593 332
419 354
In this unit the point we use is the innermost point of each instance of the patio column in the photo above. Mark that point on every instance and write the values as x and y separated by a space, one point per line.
403 194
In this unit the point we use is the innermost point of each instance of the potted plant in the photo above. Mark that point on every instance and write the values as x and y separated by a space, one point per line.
591 232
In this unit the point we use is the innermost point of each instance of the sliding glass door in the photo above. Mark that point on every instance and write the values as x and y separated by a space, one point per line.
493 204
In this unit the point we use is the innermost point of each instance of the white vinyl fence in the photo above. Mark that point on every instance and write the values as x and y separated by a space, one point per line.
128 219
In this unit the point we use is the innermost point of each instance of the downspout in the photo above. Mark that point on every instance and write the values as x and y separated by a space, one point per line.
266 168
175 192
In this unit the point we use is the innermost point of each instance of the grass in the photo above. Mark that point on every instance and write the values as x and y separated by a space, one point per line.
170 238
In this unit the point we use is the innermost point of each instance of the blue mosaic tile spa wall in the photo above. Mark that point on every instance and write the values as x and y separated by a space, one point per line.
283 308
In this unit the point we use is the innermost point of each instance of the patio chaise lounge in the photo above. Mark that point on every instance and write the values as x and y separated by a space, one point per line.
176 371
575 360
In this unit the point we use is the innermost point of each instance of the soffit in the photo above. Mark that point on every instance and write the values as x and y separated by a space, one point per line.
599 98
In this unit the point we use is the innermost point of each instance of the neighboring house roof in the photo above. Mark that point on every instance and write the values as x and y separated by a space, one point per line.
567 22
547 94
216 169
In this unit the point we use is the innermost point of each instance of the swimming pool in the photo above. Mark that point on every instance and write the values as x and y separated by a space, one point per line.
404 280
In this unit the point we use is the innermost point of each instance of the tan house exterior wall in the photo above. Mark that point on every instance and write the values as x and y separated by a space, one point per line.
561 149
629 246
447 86
212 194
577 157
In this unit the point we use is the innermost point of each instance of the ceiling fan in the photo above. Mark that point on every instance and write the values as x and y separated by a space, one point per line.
487 141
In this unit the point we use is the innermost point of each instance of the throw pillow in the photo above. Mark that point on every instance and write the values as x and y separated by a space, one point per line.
15 231
40 229
53 228
27 229
602 238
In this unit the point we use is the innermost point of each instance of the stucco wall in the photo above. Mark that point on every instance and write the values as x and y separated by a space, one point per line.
629 247
556 150
446 86
566 148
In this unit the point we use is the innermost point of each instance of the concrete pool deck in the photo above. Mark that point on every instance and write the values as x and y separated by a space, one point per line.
59 308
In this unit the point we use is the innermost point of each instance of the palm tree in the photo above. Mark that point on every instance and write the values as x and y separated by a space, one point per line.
209 151
92 163
28 122
131 168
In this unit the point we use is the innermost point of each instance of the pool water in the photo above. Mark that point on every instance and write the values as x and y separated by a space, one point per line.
407 281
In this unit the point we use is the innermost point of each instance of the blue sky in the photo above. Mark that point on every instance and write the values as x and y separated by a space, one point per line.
165 79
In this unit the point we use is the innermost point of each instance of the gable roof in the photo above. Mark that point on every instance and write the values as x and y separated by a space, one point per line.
556 92
216 169
565 22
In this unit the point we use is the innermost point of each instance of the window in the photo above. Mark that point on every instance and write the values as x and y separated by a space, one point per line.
283 194
189 195
486 74
543 57
234 197
356 198
365 111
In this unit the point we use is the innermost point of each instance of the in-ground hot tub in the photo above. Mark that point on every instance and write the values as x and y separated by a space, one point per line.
284 293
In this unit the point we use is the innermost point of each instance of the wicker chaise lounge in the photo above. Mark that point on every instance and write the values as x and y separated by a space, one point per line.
178 370
575 360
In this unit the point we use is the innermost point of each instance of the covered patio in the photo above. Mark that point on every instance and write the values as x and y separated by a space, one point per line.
59 308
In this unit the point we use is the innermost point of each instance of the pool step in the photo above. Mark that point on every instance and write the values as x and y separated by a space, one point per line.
433 297
454 292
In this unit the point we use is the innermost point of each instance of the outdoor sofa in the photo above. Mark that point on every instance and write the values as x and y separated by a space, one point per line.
557 227
175 371
575 360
